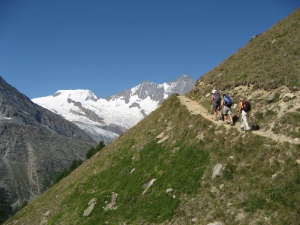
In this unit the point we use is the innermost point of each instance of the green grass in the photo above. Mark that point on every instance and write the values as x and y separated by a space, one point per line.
290 122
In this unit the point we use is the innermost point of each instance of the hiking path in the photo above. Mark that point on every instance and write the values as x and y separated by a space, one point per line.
196 109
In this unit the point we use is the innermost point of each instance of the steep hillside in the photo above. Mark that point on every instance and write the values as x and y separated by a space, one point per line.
177 166
35 145
267 72
176 152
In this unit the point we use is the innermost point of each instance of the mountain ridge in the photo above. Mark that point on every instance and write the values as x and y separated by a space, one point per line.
34 142
106 119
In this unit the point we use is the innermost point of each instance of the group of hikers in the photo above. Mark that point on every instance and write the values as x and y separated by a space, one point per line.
226 102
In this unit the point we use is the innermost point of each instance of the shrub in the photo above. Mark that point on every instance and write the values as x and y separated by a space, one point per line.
92 151
75 163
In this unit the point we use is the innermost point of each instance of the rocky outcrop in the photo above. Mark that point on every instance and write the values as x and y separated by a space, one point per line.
36 145
157 92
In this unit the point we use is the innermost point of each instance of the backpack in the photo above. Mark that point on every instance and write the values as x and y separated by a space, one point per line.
217 97
227 101
246 106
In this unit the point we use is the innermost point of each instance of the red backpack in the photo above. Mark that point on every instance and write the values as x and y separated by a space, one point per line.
246 106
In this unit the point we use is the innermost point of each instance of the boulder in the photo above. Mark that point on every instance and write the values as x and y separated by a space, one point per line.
91 204
88 211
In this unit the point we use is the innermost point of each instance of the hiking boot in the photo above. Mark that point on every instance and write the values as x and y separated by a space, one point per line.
215 119
242 128
231 123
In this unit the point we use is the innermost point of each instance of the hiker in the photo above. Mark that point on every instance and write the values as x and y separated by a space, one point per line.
216 101
243 111
227 103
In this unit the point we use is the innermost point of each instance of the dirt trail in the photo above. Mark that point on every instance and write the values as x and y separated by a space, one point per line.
197 109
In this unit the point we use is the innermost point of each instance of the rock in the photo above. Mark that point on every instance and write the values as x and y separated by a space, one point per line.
91 204
217 170
238 88
46 214
169 190
194 220
288 96
92 201
88 211
148 185
216 223
163 139
161 135
271 97
112 204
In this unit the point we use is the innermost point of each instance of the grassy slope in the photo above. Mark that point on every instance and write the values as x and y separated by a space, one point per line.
184 163
259 183
268 61
268 64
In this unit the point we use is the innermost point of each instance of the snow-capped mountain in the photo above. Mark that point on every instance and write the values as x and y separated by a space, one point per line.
105 119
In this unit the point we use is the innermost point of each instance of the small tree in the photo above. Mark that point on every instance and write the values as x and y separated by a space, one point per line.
92 151
75 163
100 146
62 175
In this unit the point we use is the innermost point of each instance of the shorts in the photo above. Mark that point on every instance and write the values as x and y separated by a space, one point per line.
227 110
216 106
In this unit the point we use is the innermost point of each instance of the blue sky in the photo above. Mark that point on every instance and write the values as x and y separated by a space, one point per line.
108 46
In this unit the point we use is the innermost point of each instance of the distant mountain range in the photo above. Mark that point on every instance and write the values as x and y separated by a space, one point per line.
106 118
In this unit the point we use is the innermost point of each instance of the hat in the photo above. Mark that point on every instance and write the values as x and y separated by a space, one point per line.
213 91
